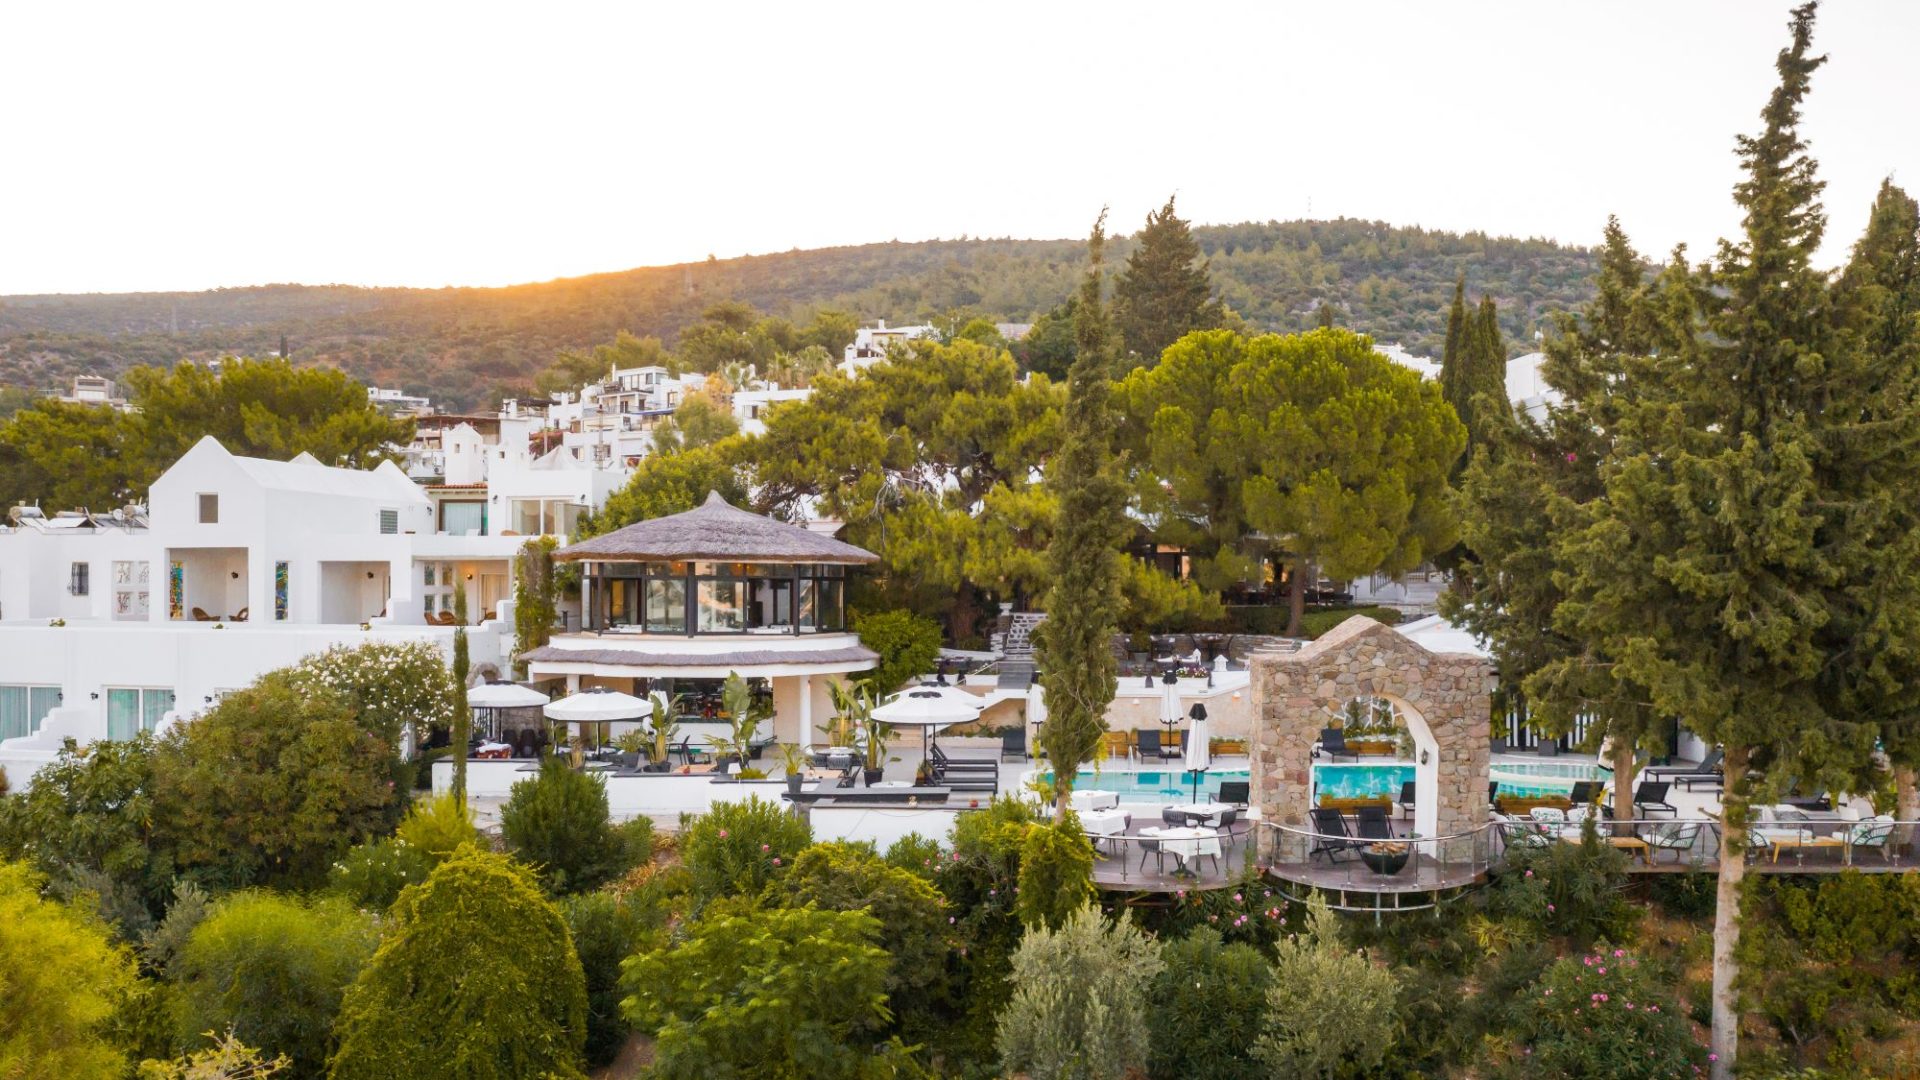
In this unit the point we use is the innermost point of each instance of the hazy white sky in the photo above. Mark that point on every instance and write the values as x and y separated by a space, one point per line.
187 146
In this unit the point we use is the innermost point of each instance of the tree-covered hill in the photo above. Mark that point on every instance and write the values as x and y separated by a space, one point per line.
464 346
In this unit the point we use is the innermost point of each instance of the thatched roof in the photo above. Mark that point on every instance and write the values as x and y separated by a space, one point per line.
715 532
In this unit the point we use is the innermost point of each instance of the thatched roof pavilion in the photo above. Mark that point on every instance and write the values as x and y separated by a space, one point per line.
715 532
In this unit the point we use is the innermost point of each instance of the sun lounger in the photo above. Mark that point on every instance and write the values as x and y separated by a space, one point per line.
1331 837
1373 824
1651 796
1333 743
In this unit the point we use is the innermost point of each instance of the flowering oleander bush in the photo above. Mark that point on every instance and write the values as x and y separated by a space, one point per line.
1603 1015
736 849
392 687
1574 890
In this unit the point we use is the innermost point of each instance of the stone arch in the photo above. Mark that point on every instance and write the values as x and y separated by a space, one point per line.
1442 696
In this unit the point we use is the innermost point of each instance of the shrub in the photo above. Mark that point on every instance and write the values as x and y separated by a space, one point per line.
61 978
437 826
227 1059
914 927
606 930
1330 1011
476 978
163 944
1603 1017
271 970
907 643
915 854
372 874
1576 890
636 842
1247 912
786 992
1056 873
1209 1004
735 849
557 822
271 786
1079 1000
90 812
391 687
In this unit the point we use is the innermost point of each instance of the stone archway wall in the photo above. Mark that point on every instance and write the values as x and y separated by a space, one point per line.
1293 694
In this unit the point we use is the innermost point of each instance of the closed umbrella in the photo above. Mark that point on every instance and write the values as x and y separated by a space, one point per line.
1169 705
1199 754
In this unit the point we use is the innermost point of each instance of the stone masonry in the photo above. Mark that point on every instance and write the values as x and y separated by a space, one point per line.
1294 695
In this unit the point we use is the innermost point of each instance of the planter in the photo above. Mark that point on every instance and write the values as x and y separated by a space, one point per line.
1499 746
1386 862
793 783
628 759
1347 806
657 767
873 776
1548 749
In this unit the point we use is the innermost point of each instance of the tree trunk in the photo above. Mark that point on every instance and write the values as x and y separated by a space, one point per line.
1623 779
961 616
1726 915
1906 803
1297 598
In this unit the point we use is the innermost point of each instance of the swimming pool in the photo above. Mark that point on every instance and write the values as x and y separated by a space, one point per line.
1521 779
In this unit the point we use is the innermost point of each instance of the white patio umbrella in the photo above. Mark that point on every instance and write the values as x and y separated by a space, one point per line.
1199 754
597 705
929 709
1169 705
494 696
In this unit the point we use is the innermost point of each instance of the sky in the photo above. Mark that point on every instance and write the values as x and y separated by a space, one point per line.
196 145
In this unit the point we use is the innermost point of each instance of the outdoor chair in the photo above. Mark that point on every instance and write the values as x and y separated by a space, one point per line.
1228 818
1147 745
1875 832
241 615
1650 796
1584 792
1407 793
1493 794
1172 817
1331 837
1709 764
200 615
1236 792
1521 833
1333 743
1678 837
1373 823
1013 741
1149 846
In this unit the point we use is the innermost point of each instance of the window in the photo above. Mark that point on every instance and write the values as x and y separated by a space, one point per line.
209 508
77 583
130 590
131 711
666 605
389 522
463 519
22 708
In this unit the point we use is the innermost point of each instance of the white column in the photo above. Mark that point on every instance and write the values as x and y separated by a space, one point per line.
806 715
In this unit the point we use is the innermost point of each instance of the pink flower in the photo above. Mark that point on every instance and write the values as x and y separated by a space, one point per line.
1713 1057
764 847
1550 908
723 834
1603 971
1529 873
993 892
1619 952
949 920
1587 960
776 860
1236 898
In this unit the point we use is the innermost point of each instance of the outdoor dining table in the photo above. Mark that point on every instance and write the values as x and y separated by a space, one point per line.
1185 844
1203 813
1105 823
1084 801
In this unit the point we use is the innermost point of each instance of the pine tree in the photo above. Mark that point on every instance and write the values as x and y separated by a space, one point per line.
1075 643
1165 292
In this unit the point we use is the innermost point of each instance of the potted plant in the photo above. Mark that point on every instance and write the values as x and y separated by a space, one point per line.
850 703
1386 857
796 764
876 733
664 730
745 712
631 744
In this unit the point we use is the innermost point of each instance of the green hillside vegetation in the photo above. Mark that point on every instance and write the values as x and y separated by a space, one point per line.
464 347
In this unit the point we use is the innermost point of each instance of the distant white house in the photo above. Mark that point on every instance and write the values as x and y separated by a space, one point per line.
870 344
92 390
398 402
122 622
1526 388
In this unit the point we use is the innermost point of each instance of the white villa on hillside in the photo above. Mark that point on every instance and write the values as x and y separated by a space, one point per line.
110 624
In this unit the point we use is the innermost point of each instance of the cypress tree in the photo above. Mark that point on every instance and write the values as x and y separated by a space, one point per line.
462 716
1165 292
1075 643
1453 375
1739 555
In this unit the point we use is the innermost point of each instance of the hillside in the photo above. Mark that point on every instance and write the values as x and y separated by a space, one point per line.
464 346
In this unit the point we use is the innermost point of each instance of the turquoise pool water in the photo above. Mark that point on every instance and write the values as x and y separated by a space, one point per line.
1337 781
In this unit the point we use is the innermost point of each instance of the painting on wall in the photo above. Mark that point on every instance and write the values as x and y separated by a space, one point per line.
176 591
279 592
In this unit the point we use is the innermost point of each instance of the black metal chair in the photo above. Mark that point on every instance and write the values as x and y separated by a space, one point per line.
1331 837
1584 792
1651 796
1373 823
1333 743
1493 794
1408 792
1013 741
1173 817
1236 792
